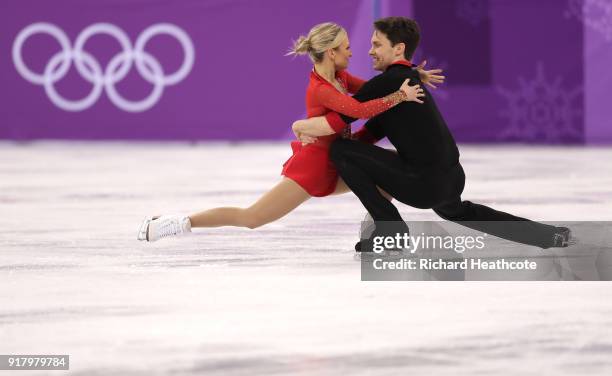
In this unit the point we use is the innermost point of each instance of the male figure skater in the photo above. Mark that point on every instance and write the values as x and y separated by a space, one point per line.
425 172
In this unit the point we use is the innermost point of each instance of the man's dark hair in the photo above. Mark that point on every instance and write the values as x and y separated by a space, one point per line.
400 30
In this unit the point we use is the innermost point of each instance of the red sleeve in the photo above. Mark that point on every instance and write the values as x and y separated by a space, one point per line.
364 135
334 100
335 121
353 84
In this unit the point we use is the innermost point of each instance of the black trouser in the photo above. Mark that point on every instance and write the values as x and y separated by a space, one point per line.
365 167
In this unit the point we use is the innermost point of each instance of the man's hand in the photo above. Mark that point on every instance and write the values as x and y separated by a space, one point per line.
305 139
313 127
297 129
429 77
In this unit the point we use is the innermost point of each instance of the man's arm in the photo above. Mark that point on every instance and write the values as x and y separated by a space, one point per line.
308 129
313 127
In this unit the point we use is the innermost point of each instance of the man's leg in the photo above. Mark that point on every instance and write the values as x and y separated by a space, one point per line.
498 223
364 168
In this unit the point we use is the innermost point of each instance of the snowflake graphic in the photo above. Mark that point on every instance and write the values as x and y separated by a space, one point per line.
596 14
541 110
472 11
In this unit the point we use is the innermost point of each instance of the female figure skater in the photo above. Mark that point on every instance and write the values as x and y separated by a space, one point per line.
309 172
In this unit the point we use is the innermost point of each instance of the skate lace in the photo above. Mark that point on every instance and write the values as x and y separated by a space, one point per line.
169 228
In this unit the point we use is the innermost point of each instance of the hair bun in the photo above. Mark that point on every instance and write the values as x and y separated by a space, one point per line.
320 38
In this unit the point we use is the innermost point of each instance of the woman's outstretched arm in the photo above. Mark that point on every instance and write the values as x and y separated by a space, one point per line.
332 99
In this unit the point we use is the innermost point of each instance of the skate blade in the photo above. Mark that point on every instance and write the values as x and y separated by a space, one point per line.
142 231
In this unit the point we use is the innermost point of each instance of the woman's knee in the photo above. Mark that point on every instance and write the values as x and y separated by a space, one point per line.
252 219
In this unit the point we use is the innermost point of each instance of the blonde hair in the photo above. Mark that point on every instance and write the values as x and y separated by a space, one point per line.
320 38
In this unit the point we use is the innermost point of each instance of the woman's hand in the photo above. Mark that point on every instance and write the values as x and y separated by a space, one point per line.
413 93
429 77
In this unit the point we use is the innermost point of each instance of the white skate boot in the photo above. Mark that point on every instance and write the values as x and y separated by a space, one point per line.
162 227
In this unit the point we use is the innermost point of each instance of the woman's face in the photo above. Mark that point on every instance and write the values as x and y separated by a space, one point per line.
342 54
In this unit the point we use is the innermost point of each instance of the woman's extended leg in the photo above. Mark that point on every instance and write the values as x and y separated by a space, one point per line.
276 203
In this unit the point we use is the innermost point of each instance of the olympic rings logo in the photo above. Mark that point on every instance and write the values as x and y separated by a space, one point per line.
118 67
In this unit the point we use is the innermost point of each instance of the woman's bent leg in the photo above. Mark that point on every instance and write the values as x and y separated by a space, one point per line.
276 203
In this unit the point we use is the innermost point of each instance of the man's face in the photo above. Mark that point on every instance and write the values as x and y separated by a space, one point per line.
383 54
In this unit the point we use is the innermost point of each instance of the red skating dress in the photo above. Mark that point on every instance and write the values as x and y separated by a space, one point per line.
310 166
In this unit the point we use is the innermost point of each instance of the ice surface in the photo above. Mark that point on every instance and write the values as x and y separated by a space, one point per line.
286 298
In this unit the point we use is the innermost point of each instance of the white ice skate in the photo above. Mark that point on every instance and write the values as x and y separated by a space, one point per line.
144 227
162 227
